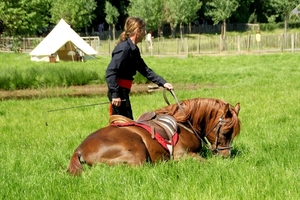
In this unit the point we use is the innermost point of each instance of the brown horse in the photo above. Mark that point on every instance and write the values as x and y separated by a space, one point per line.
207 121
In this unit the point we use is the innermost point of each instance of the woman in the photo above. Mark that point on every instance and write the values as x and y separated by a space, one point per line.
126 61
149 39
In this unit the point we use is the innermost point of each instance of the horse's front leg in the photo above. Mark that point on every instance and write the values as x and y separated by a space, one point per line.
196 156
188 145
185 154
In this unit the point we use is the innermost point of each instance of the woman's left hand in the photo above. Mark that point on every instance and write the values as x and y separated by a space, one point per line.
168 86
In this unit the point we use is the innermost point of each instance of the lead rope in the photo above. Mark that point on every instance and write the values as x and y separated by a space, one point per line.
204 141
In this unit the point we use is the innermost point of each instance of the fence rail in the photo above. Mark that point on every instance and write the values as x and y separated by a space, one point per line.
212 44
189 45
28 44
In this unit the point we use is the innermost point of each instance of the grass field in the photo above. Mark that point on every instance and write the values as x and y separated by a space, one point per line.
264 164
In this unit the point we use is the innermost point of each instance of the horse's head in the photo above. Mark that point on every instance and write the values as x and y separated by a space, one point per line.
221 131
210 119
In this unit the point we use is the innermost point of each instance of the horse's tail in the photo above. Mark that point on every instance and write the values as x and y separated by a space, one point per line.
75 166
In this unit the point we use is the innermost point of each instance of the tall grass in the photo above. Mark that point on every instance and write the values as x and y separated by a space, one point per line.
264 164
18 72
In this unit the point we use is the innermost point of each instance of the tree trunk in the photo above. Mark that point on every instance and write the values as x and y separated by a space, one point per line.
223 36
109 31
113 32
159 31
181 32
172 30
286 18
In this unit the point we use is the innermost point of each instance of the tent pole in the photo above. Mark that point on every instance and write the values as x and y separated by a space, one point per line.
71 50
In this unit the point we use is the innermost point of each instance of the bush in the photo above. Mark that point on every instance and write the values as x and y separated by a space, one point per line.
268 27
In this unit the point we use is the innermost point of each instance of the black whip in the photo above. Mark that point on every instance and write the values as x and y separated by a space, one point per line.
81 106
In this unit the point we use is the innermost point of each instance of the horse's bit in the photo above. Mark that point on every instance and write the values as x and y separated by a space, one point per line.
204 139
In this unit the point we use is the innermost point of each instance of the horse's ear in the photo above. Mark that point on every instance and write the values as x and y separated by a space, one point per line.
237 108
226 108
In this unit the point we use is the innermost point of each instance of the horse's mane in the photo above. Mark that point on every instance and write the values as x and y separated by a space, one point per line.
199 111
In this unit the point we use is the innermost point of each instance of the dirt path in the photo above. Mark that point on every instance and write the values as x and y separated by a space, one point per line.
87 90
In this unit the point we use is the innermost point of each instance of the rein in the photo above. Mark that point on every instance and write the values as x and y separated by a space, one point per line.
204 140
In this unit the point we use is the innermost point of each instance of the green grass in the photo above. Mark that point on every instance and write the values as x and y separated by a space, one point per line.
264 165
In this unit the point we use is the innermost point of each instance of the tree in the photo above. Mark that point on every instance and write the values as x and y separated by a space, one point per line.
181 12
220 11
23 18
192 7
244 12
150 11
284 8
111 18
77 13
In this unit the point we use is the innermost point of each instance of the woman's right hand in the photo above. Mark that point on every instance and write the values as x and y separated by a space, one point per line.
116 102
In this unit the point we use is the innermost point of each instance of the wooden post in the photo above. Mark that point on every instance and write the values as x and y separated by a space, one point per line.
282 43
177 48
158 43
221 43
108 46
198 46
187 46
248 42
239 44
293 42
24 44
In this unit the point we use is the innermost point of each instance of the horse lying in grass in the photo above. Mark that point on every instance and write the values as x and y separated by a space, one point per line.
167 133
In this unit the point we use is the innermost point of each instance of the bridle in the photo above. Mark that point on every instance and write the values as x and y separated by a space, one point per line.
203 137
218 127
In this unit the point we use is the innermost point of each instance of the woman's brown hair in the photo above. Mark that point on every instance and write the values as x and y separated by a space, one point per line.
131 24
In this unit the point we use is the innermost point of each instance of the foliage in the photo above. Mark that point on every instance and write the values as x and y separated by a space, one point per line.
150 11
268 26
181 12
244 13
264 162
112 15
77 13
23 18
221 10
283 9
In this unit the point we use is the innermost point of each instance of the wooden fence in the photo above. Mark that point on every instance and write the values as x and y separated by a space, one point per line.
195 44
28 44
213 44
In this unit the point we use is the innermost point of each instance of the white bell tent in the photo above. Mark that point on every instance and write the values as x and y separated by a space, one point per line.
63 43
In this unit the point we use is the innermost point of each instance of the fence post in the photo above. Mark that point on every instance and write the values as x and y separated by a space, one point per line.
293 42
108 46
158 43
187 46
24 44
221 43
198 45
248 42
177 48
239 44
281 43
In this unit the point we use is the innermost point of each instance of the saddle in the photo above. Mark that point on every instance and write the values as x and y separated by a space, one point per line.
164 125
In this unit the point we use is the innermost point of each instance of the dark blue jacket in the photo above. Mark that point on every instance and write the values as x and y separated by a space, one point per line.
126 61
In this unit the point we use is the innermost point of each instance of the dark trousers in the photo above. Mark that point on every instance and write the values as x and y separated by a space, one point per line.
125 107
